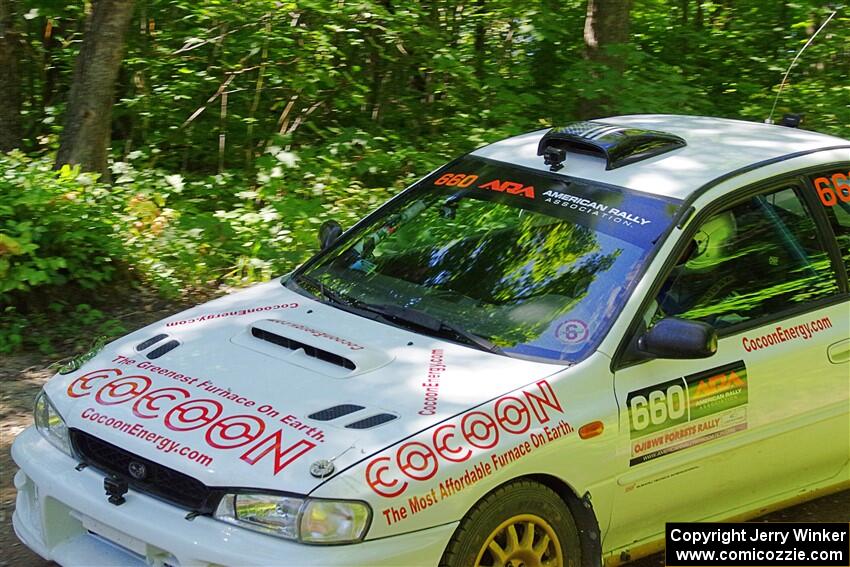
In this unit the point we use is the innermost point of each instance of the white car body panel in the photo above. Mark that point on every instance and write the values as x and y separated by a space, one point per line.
274 393
791 400
547 444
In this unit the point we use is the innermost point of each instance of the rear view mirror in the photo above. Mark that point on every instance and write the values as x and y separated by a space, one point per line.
679 338
329 232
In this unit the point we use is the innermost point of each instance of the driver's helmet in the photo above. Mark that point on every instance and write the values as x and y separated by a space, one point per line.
711 242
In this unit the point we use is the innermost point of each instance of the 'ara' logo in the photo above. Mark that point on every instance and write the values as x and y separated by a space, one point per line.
510 187
718 384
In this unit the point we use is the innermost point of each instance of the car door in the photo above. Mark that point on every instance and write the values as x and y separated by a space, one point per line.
829 192
712 437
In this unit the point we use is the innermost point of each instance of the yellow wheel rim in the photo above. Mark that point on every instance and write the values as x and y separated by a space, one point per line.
521 541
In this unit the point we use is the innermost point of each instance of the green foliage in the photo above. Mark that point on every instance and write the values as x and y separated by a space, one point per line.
59 327
210 84
55 227
255 228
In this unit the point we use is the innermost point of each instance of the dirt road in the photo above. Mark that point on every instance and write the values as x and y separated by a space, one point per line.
834 508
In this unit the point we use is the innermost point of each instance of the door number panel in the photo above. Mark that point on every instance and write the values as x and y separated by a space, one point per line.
677 414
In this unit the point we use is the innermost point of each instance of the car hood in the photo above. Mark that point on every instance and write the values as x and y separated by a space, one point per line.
256 387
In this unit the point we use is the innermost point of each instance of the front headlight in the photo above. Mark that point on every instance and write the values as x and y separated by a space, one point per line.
334 521
51 425
302 519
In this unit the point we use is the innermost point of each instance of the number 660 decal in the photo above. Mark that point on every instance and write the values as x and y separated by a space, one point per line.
832 189
658 407
692 398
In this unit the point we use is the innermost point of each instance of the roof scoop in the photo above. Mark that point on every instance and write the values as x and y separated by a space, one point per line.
619 145
312 348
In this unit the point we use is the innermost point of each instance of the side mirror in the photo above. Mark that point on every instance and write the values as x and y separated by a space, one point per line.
679 338
329 232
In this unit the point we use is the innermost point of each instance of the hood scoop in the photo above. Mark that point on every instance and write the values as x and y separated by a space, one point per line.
316 349
309 350
619 145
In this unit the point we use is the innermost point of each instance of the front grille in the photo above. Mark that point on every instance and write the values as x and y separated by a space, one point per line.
160 481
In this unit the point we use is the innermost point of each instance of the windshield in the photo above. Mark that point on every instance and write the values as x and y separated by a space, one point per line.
536 264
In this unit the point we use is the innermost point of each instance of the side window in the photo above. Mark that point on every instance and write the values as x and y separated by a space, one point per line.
759 257
833 188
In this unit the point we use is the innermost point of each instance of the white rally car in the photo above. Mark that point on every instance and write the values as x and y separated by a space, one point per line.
536 355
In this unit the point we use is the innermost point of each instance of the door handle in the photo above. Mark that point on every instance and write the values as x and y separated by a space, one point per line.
839 352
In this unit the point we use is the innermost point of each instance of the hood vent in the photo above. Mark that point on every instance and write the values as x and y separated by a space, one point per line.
335 412
339 411
161 350
150 342
372 421
311 351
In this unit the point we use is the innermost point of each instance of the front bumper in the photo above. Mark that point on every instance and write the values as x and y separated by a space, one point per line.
63 515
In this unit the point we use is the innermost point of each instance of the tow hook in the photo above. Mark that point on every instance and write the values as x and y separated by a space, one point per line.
115 488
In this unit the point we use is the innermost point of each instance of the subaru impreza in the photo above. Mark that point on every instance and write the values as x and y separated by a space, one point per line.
535 355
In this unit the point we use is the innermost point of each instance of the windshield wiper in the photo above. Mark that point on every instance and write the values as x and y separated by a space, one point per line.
334 296
344 302
431 323
397 314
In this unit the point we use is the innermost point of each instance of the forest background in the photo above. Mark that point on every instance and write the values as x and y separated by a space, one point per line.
184 146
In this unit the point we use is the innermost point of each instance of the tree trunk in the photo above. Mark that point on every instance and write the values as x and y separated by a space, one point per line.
10 80
606 25
50 70
85 139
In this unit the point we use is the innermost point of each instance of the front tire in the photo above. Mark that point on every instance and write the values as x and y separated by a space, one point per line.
520 524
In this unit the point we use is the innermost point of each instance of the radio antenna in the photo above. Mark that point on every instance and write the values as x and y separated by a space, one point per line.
794 62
